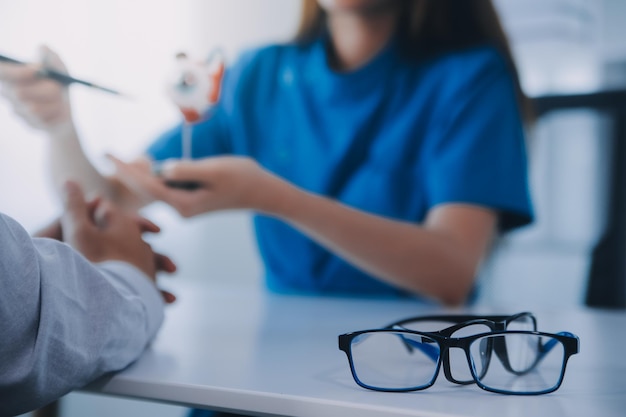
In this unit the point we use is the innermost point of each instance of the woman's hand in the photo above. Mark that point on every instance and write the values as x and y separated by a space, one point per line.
226 182
41 102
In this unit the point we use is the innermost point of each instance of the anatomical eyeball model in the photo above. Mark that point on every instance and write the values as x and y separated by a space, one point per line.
195 85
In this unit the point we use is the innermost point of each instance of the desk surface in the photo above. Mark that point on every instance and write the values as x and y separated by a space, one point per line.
248 351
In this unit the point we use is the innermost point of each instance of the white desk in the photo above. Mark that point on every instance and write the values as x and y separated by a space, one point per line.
256 353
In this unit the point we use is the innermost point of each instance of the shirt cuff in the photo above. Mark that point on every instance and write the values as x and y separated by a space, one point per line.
141 286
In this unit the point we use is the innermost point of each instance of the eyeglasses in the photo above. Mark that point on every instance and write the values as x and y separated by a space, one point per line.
454 362
529 362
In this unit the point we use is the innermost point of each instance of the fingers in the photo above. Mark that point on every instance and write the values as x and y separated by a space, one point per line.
136 178
164 263
187 171
149 187
44 91
41 102
103 211
142 163
144 183
17 73
93 206
51 59
168 297
51 231
147 226
20 84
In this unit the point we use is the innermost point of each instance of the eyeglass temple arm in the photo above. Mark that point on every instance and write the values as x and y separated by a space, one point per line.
546 348
410 344
462 318
433 352
428 349
459 320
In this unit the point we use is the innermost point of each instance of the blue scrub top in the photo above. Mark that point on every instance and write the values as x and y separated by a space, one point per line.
395 138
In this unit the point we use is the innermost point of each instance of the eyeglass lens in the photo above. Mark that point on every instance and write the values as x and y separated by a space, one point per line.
535 363
403 361
394 360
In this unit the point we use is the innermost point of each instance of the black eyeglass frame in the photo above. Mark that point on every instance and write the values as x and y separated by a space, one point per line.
570 342
494 322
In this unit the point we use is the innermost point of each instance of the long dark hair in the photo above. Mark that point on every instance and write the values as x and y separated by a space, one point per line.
431 27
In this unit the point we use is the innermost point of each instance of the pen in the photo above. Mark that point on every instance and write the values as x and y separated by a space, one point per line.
61 77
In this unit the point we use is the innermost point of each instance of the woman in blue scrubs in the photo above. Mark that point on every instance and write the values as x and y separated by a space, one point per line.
382 150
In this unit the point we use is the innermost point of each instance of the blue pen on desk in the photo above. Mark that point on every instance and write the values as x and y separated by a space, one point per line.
61 77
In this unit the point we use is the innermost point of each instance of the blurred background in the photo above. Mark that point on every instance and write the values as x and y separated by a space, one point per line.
562 47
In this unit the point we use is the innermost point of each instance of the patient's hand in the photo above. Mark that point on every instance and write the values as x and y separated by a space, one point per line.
101 232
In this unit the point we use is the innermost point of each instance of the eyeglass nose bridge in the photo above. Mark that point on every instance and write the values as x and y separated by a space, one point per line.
457 343
463 344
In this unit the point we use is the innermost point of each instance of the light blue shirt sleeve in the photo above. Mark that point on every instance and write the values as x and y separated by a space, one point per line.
65 321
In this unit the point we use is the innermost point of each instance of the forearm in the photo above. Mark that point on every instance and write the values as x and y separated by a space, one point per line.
68 161
422 259
79 321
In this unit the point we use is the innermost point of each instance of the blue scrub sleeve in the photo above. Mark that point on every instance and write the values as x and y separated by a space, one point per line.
478 153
